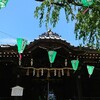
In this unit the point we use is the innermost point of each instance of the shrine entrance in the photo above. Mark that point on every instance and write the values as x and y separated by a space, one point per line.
50 89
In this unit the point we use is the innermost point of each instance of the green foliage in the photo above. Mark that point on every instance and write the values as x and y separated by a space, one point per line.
87 26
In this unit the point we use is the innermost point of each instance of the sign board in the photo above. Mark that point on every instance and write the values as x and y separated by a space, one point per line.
17 91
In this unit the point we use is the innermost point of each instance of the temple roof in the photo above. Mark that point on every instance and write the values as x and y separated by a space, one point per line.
50 35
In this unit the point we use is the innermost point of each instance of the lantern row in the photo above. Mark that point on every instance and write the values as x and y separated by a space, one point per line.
21 43
56 71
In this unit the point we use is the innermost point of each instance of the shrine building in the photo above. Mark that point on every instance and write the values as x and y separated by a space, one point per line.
43 76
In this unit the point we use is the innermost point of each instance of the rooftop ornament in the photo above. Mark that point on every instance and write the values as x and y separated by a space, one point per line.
3 3
50 35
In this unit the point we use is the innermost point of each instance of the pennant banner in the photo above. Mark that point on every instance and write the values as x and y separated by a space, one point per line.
52 55
90 69
21 44
75 64
3 3
87 2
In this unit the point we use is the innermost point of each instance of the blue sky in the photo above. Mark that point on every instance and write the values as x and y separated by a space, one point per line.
17 20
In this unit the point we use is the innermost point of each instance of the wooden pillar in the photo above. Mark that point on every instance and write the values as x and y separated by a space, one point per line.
79 87
48 90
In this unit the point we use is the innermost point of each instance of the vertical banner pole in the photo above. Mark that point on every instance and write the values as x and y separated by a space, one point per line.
50 64
48 90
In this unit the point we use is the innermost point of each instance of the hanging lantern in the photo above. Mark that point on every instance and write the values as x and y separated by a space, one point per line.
33 72
55 72
41 72
48 74
3 3
62 72
27 72
21 44
19 61
52 55
90 70
65 62
59 73
87 2
68 72
38 73
31 62
75 64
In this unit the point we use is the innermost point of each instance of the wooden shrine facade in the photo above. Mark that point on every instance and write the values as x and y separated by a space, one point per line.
38 78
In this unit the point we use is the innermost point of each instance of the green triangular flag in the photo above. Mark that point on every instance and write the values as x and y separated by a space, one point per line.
75 64
90 69
87 2
21 44
52 55
3 3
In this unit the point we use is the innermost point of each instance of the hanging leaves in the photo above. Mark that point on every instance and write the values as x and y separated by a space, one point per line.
75 64
3 3
87 26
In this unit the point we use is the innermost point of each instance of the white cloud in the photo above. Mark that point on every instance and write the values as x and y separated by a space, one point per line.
8 41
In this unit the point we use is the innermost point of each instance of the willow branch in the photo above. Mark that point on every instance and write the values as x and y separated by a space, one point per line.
73 3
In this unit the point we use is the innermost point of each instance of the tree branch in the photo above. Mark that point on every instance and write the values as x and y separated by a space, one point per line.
64 4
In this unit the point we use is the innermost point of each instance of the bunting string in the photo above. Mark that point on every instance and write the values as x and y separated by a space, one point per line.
56 71
40 71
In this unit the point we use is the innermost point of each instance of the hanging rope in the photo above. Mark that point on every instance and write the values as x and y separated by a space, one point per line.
7 34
